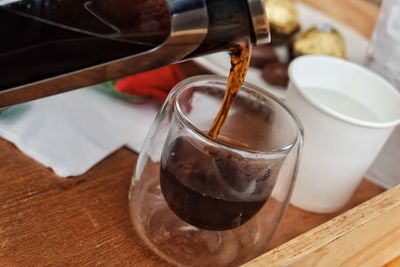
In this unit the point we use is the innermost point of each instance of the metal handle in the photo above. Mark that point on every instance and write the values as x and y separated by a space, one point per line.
260 22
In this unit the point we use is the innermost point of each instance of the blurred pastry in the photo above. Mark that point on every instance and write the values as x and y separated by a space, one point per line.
284 20
321 40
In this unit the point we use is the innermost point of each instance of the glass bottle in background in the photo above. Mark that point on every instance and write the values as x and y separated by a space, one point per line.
384 58
384 51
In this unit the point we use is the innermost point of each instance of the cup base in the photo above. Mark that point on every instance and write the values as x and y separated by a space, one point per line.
181 244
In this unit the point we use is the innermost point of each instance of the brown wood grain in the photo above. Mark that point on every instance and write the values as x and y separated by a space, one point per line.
67 222
368 236
393 263
298 221
85 220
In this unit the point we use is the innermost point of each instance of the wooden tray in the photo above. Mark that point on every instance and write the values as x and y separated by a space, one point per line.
368 235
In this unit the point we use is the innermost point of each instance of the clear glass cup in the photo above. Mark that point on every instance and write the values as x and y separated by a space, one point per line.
203 202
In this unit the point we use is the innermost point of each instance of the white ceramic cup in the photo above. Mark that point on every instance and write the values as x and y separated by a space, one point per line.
348 113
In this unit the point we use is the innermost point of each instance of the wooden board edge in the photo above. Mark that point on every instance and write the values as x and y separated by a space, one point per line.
365 216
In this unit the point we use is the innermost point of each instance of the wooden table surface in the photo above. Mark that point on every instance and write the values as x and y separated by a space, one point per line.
45 220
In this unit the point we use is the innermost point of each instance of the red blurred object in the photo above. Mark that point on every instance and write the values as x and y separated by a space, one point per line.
155 83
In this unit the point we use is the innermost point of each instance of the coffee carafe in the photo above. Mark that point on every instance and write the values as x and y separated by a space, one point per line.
52 46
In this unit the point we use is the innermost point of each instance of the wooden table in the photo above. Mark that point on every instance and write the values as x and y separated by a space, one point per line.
45 220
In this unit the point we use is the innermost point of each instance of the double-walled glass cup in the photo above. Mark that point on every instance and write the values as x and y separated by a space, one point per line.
199 201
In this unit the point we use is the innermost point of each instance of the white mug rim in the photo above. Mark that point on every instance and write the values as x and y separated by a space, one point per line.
331 112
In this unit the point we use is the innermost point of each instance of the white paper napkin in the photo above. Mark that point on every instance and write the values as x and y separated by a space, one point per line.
72 132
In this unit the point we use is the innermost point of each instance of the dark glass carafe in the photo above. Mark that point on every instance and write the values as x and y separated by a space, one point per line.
52 46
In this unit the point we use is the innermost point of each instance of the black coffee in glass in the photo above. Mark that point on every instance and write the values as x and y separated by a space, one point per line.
212 188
